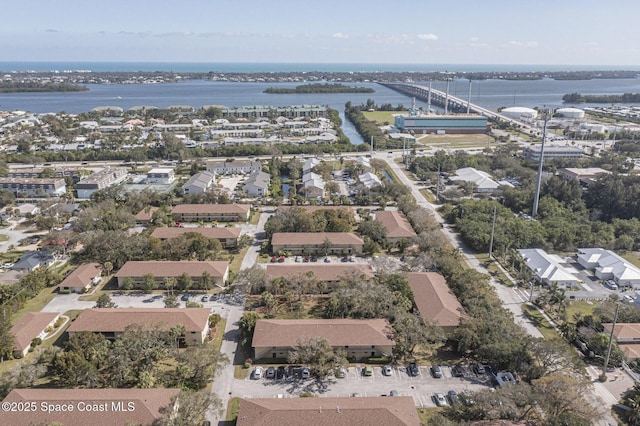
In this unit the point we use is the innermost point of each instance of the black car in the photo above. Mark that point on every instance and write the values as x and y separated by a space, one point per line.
271 373
436 371
184 297
413 369
479 369
457 371
314 258
281 373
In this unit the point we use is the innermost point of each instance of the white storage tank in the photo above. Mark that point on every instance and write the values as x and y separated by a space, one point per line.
520 113
592 127
570 112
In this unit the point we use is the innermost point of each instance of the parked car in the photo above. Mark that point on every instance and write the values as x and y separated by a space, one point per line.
352 259
215 297
436 371
457 371
298 259
441 401
257 373
274 259
453 397
314 258
281 259
306 374
327 260
393 393
367 371
386 370
306 259
341 372
185 297
205 298
413 369
479 369
271 373
344 259
281 373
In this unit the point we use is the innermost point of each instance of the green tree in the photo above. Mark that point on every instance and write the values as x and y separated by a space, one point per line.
104 301
171 301
149 283
317 353
410 331
185 282
247 324
192 408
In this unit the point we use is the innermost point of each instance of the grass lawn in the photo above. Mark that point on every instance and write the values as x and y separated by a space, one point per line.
3 238
494 270
232 409
425 414
217 338
540 322
382 117
428 195
239 372
37 303
235 264
632 257
583 307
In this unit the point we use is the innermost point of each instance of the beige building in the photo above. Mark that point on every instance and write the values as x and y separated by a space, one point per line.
211 212
228 237
82 278
112 322
30 326
358 338
435 301
331 274
334 411
397 225
136 270
96 407
627 336
339 243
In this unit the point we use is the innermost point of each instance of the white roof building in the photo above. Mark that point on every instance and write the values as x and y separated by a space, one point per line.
369 180
310 164
609 266
481 181
547 268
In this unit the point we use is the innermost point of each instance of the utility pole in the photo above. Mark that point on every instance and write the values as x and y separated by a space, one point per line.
446 99
429 100
493 228
536 199
469 100
613 327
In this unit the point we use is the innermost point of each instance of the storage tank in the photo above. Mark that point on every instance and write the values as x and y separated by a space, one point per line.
592 127
520 113
570 112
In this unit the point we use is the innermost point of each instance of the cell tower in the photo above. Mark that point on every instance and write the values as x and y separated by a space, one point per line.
534 211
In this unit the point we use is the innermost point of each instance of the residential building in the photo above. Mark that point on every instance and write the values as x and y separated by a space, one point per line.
627 336
32 260
309 164
360 339
258 184
334 411
607 265
164 175
532 152
136 270
313 185
82 278
481 181
211 212
199 183
440 124
584 175
435 301
548 269
369 180
145 215
340 243
100 180
293 111
97 407
234 167
397 225
30 326
331 274
34 187
112 322
228 237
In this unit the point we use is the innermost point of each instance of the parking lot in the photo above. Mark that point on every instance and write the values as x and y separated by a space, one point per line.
421 387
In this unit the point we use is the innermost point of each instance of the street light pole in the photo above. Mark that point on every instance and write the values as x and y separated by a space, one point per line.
613 327
493 228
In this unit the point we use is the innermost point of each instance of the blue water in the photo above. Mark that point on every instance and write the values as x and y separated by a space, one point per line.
491 94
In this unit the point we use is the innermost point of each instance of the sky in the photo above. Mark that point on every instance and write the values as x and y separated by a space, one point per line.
546 32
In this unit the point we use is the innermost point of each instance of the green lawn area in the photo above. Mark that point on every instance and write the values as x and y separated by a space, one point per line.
428 195
382 117
232 409
217 338
239 372
37 303
539 321
494 269
632 257
582 307
425 414
234 266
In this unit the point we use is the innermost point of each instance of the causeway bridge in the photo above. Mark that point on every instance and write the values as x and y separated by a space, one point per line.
451 103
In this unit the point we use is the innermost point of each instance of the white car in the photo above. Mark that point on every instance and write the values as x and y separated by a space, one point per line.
386 370
257 373
441 401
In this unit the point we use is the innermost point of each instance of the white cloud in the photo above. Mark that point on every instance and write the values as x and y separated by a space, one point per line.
339 35
430 37
474 39
514 43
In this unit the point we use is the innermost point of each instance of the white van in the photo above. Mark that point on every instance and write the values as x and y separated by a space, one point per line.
611 285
